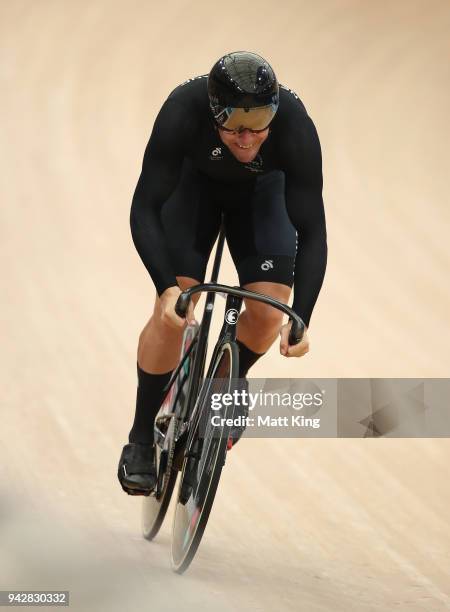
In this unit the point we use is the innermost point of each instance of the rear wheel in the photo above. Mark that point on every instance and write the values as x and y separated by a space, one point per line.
167 424
203 462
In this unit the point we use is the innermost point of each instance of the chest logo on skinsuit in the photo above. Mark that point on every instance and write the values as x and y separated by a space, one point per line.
216 154
256 165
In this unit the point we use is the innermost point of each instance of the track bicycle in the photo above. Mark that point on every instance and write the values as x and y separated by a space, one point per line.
188 439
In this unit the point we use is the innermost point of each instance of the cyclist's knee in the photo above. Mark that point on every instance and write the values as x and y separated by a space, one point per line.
264 317
184 282
261 317
157 324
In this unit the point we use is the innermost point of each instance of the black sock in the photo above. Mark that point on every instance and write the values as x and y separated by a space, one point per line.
148 402
247 358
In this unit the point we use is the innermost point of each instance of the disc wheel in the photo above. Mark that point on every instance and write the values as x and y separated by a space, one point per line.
203 462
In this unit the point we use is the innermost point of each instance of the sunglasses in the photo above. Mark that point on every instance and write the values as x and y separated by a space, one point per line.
235 120
240 130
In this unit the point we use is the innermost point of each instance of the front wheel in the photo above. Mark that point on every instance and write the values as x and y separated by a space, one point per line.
204 459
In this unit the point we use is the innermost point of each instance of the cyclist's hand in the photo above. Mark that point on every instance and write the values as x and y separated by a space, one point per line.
168 300
296 350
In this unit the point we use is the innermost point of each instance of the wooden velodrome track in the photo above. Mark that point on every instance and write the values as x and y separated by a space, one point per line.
297 524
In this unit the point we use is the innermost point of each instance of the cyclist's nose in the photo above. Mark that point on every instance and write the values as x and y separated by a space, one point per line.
245 137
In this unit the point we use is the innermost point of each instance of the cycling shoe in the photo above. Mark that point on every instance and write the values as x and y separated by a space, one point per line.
137 468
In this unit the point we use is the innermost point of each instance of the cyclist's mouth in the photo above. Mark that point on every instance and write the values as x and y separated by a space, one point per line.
245 153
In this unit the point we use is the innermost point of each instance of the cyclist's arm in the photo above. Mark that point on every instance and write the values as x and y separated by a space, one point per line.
306 210
160 173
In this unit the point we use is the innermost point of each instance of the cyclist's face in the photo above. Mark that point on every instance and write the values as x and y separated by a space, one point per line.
244 145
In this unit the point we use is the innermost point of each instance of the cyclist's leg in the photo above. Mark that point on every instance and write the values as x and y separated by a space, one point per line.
190 224
262 242
190 228
157 355
137 468
159 345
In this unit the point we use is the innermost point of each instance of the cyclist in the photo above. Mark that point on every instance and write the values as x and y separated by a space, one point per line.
238 143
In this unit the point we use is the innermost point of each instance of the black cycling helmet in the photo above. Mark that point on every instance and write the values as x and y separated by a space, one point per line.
243 92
